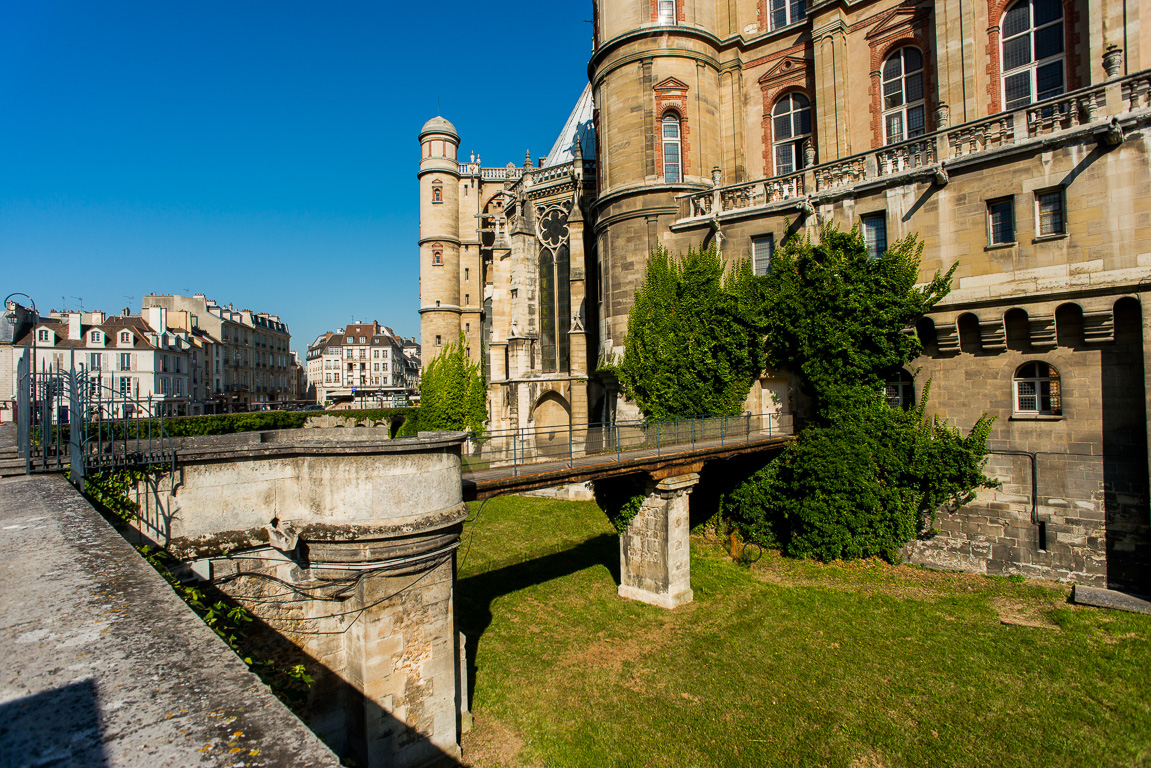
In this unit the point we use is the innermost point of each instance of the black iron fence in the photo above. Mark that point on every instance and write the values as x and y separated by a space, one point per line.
71 419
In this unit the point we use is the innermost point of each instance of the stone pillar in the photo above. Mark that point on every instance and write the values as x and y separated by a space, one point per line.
655 551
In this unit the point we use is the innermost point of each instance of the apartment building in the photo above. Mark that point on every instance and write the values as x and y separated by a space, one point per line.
250 364
363 363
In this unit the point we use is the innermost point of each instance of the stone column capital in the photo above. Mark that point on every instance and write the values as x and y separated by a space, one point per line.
677 484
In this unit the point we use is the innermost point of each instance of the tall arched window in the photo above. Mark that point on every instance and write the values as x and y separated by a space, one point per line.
1037 390
790 127
671 147
1033 56
904 114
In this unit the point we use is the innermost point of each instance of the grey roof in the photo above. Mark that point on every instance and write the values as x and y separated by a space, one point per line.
438 125
578 125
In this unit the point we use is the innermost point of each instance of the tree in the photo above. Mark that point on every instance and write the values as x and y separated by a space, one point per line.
452 393
695 337
863 478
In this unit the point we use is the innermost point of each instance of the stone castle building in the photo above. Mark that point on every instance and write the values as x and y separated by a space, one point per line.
1010 135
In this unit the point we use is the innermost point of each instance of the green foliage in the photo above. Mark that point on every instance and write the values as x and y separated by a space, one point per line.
863 478
231 423
694 343
838 317
862 485
620 498
411 425
453 394
110 491
226 424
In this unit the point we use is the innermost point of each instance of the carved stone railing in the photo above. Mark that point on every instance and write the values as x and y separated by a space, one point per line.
981 135
840 173
904 157
782 188
929 154
1061 114
1137 92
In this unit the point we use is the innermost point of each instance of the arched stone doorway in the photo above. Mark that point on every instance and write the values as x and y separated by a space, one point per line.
551 421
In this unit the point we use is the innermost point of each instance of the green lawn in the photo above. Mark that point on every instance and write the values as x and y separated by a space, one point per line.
782 663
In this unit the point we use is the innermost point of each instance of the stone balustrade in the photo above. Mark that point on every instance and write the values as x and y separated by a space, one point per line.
1094 105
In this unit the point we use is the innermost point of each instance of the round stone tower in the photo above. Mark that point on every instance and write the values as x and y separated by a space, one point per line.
666 57
439 237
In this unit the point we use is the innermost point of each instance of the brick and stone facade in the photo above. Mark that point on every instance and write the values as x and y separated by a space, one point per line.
1044 207
1061 287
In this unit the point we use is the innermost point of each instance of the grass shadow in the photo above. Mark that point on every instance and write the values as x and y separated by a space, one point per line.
475 594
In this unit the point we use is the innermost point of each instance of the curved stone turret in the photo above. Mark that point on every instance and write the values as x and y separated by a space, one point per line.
439 176
669 61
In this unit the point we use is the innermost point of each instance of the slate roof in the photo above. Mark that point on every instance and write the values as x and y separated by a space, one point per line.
578 125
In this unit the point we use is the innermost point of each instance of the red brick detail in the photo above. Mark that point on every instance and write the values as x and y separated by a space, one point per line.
914 33
671 96
778 82
595 24
799 49
1071 42
678 10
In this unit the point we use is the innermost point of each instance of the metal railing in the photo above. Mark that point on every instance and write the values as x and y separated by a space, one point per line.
69 419
568 445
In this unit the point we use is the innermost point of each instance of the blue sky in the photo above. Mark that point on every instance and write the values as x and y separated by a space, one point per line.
263 153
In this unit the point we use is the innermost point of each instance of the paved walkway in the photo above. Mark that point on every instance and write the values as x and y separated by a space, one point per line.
104 665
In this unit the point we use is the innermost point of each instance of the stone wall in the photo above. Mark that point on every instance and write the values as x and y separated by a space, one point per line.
1090 512
655 550
341 542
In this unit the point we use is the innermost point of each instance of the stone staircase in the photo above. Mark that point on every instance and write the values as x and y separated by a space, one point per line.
10 462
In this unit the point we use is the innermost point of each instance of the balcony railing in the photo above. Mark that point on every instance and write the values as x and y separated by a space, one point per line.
928 154
538 175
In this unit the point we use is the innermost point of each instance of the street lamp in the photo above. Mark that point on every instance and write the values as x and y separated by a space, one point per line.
13 320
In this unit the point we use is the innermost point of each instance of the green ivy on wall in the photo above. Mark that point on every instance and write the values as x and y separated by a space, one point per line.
863 478
695 336
453 394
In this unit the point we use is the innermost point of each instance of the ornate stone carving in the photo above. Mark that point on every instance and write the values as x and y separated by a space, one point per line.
1113 60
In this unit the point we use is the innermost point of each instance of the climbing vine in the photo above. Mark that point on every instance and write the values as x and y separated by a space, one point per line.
620 498
862 478
695 336
453 394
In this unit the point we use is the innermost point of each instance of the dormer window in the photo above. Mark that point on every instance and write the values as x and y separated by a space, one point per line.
125 337
42 335
94 337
